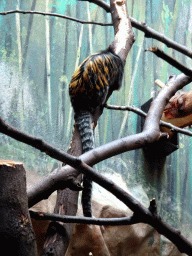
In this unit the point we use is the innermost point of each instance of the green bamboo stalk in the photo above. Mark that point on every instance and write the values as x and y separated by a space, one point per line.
30 22
90 30
70 117
48 59
18 29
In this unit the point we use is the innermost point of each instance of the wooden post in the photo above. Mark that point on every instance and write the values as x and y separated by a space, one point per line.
16 232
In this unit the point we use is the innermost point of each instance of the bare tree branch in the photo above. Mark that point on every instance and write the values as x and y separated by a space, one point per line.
124 36
141 213
37 143
138 111
121 145
159 53
149 32
147 216
142 26
159 83
56 15
74 219
151 133
121 45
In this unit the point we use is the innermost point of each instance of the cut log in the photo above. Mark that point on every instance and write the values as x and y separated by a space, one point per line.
16 232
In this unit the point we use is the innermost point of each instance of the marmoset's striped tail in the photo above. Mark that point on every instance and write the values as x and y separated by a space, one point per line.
83 120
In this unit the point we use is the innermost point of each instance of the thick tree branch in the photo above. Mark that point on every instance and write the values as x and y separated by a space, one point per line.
149 216
124 36
125 144
37 143
151 133
101 153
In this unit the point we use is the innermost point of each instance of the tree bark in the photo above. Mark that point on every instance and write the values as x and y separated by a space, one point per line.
16 233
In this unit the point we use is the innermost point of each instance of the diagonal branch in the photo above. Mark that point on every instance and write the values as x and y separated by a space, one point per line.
161 54
140 112
37 143
151 133
149 32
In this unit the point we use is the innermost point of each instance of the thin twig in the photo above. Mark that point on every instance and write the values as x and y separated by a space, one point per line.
151 33
159 53
55 15
74 219
138 111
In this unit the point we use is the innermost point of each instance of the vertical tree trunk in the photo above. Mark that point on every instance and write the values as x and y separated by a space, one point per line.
16 232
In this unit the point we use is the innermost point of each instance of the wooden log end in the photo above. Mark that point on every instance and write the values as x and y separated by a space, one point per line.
10 162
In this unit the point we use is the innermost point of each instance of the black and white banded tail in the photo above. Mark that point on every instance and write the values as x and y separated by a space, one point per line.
83 120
